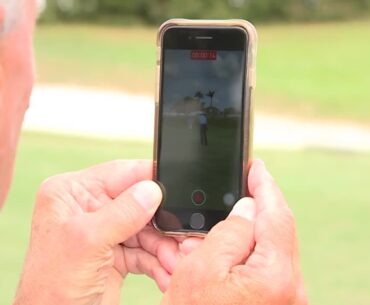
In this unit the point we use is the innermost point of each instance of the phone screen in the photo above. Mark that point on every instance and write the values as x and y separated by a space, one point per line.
200 137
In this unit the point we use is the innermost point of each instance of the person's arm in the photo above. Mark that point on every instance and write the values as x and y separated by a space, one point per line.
250 258
89 231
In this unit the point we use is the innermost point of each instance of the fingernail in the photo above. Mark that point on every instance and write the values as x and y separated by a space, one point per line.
245 208
147 194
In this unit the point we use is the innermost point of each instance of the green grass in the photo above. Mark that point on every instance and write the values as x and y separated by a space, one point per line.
328 192
106 57
305 69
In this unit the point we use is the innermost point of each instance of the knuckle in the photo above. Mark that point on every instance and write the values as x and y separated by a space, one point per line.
52 185
46 187
46 192
45 214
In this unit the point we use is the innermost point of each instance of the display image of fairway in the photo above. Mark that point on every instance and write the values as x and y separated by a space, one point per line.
213 166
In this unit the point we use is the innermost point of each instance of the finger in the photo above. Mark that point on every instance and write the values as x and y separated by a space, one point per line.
116 176
139 261
163 247
263 187
189 245
125 216
275 227
230 242
275 252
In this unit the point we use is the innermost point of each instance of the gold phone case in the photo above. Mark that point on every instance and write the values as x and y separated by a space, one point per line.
250 83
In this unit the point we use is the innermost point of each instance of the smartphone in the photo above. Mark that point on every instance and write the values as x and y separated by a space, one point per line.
203 123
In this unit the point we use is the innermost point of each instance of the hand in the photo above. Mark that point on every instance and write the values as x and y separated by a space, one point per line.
89 231
251 258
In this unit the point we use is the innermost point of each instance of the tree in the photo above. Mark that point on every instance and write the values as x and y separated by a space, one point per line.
211 94
199 94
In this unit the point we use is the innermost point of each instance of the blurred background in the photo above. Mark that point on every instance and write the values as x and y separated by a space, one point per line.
96 73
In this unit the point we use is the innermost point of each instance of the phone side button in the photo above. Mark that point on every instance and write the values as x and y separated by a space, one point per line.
197 221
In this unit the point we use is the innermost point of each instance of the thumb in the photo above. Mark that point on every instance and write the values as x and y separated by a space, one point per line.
128 214
275 228
231 241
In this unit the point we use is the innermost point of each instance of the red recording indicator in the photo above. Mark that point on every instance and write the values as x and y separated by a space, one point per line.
203 55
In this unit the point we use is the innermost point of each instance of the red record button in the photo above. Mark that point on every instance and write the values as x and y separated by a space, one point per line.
198 197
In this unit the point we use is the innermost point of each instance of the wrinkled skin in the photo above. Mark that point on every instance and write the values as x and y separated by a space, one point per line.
251 258
89 231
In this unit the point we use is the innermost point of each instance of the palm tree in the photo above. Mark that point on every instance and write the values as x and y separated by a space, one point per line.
199 94
211 94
